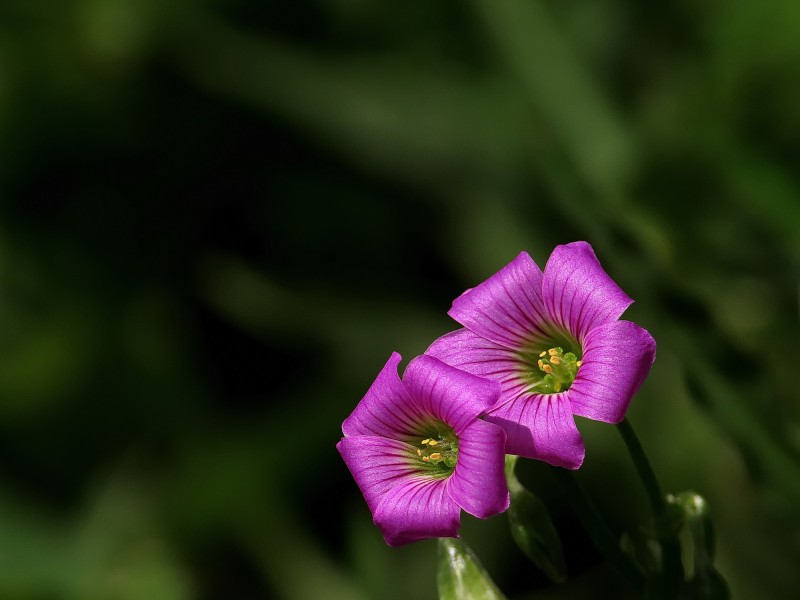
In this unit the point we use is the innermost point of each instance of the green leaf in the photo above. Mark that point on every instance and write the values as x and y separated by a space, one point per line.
532 528
461 574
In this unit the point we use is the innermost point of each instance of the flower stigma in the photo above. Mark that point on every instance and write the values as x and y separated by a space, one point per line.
559 369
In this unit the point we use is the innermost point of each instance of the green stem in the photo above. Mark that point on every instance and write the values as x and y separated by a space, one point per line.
672 568
602 537
643 467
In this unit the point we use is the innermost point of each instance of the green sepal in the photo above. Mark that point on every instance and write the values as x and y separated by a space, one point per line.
461 574
532 528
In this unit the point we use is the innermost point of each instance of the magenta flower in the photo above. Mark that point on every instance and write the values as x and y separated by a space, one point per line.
555 344
419 452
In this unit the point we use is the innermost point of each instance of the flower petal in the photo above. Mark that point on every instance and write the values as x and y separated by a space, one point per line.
447 393
507 308
616 359
466 350
387 409
578 294
417 509
478 483
377 464
541 426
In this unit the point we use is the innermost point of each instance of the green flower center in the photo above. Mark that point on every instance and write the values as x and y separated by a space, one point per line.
556 371
438 453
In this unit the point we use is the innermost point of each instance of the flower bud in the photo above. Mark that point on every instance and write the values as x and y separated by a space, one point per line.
704 580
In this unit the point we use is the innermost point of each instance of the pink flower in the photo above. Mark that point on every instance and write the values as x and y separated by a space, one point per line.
420 453
555 344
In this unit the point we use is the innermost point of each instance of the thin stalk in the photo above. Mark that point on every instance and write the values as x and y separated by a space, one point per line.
643 467
672 567
602 537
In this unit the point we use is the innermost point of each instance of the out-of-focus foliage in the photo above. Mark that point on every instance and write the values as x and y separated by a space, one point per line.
219 218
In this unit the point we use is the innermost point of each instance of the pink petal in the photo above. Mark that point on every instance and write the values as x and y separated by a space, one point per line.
507 308
616 359
466 350
387 409
377 464
447 393
541 426
578 294
478 483
417 509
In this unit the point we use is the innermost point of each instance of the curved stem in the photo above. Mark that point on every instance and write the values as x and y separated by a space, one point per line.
602 537
643 467
672 568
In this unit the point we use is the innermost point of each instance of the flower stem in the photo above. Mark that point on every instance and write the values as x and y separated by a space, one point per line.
672 568
602 537
643 467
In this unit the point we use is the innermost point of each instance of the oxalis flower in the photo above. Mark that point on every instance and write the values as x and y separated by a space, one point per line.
420 453
555 344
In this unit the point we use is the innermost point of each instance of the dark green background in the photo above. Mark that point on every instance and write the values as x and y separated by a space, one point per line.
219 218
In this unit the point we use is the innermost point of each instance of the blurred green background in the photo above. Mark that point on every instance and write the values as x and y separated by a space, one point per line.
219 218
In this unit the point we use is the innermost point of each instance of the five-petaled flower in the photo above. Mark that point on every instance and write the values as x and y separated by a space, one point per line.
555 344
420 453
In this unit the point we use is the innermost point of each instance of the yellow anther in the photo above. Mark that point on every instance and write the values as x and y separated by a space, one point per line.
541 364
578 364
426 441
426 459
436 456
432 442
542 354
552 352
419 452
555 360
547 369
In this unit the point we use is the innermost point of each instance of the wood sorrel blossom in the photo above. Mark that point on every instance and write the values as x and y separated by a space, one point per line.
419 452
555 344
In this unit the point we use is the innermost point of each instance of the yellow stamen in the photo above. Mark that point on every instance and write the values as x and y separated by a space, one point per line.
578 364
555 360
436 456
542 354
552 352
426 441
426 459
547 369
541 364
419 452
432 443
